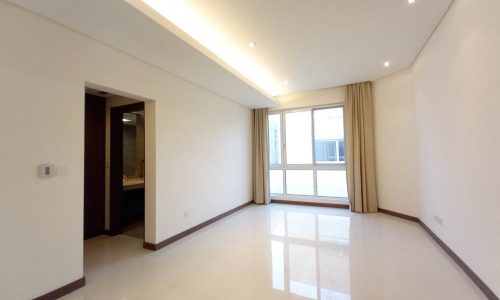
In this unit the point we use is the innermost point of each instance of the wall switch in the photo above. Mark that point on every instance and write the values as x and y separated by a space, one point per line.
46 170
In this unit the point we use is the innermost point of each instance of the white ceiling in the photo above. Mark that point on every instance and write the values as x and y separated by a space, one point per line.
321 43
313 44
119 25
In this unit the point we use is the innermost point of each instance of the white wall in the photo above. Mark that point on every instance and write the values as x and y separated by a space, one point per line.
335 95
203 148
396 144
456 94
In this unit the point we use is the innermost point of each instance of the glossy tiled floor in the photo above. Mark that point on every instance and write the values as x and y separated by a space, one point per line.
280 252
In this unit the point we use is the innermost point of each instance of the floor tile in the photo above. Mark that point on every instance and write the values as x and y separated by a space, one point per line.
280 252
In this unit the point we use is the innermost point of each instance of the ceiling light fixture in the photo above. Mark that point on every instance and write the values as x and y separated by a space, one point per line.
252 44
285 82
125 120
411 1
387 64
189 18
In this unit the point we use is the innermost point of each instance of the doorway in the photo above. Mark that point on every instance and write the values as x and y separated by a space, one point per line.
127 170
115 165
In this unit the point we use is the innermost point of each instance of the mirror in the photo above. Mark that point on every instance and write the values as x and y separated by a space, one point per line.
133 145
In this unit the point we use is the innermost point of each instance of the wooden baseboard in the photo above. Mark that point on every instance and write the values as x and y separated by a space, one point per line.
331 205
468 271
164 243
64 290
473 276
399 215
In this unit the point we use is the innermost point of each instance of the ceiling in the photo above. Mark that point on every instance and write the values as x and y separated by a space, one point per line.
311 44
121 26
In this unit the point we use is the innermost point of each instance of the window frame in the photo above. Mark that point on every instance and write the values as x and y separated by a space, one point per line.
284 166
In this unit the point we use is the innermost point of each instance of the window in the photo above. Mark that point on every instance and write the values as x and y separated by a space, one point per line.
329 135
306 153
276 181
331 183
300 182
274 139
298 137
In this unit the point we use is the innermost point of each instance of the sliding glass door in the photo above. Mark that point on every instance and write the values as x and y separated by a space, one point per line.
306 154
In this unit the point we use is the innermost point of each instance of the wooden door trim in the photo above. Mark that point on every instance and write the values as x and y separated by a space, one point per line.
94 165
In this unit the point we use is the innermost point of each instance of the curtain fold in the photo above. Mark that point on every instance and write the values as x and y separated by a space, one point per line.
360 153
260 157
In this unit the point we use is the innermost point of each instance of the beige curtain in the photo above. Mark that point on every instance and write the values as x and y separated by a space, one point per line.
360 157
260 157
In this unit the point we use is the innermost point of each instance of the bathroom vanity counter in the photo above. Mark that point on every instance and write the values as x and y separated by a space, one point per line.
133 184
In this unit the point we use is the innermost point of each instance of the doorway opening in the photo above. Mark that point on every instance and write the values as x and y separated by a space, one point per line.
116 165
127 170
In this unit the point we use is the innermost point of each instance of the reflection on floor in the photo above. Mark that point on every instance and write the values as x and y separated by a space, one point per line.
280 252
135 229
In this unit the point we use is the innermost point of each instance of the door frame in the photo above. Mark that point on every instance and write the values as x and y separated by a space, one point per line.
94 170
116 164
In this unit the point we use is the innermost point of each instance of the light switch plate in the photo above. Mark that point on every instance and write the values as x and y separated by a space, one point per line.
46 170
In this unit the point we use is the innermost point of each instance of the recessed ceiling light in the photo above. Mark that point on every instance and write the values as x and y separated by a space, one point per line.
387 64
252 44
125 120
411 1
285 82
